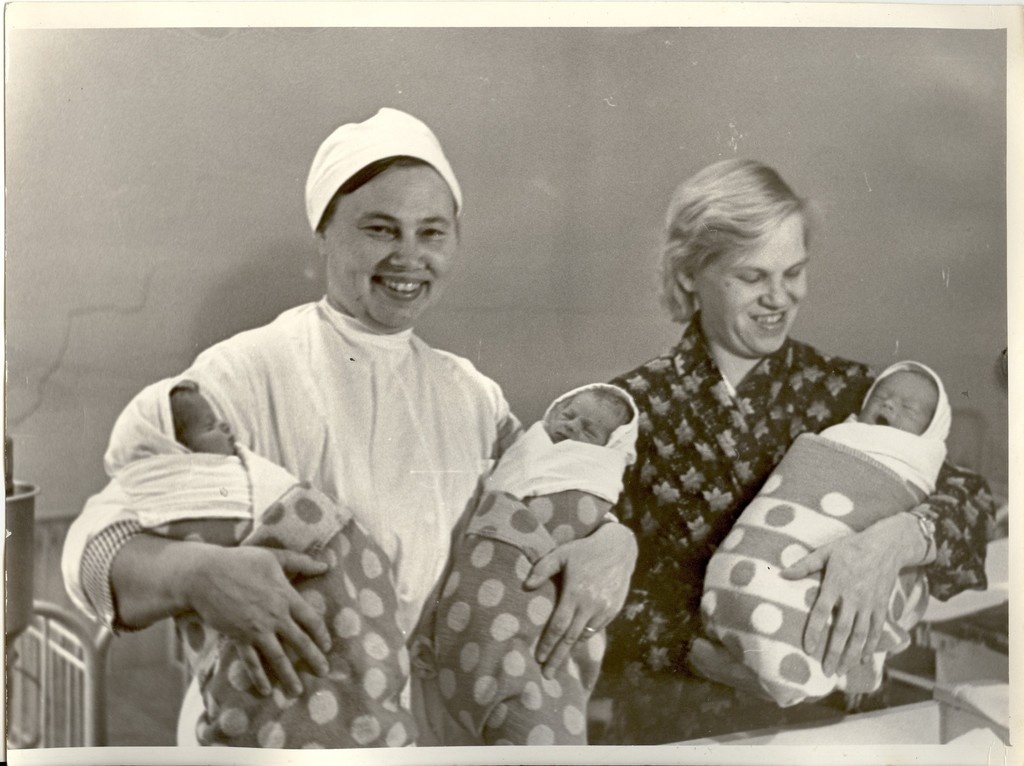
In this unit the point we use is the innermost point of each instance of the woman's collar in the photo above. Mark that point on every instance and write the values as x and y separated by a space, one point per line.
693 339
355 329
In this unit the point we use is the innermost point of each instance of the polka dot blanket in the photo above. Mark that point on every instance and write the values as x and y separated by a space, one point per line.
820 491
488 625
357 704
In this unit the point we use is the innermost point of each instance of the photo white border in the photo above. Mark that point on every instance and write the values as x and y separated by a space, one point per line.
38 14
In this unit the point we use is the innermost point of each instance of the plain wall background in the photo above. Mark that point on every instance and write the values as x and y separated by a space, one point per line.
155 181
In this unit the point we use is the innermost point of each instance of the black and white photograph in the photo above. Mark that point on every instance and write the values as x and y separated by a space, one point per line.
476 379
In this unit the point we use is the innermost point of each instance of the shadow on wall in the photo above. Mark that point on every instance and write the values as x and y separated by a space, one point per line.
277 278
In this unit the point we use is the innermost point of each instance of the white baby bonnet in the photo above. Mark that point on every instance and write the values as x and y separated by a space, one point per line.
534 465
145 428
938 429
164 481
916 458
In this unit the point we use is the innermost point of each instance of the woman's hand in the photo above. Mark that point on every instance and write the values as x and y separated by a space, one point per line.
595 580
244 593
860 573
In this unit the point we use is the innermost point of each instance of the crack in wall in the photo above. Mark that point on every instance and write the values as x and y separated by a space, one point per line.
73 315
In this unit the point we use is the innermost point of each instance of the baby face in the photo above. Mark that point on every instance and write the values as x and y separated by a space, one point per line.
200 430
585 417
903 400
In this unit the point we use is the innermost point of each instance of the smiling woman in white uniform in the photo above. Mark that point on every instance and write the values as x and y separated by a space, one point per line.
342 394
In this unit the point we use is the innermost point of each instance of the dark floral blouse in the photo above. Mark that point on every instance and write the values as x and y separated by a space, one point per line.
702 456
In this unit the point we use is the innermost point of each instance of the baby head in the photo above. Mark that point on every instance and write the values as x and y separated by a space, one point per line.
589 416
906 398
195 424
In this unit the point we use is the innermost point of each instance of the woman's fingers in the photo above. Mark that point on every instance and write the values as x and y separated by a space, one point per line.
271 647
575 632
874 636
841 635
254 668
303 629
312 626
853 640
574 609
308 634
545 568
595 579
846 621
245 594
809 564
273 654
294 563
304 646
556 634
818 621
561 618
576 618
858 637
839 631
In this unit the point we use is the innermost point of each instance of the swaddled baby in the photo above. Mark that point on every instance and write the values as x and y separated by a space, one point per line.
184 477
557 483
878 463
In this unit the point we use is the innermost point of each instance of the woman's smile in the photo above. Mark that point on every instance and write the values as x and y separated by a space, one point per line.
400 288
771 322
748 301
389 246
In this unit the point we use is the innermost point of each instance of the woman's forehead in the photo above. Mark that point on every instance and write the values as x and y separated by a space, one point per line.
416 191
780 249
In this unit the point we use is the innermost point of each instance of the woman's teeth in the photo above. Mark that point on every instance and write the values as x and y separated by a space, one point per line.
401 286
769 321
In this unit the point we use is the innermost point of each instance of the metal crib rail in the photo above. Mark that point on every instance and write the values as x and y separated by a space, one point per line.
57 681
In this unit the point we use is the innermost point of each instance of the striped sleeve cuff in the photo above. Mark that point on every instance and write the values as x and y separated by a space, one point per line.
95 572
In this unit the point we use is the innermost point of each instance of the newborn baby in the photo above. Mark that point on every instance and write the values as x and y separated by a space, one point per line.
557 483
883 461
185 478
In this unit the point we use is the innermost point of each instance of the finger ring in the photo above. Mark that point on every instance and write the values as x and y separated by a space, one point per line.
589 631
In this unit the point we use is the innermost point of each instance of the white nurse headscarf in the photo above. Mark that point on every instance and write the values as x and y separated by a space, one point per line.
353 146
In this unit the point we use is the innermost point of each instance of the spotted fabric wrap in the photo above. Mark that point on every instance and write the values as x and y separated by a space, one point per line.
358 703
702 455
488 625
820 492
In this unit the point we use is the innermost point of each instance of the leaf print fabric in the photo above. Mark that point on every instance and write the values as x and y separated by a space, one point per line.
702 454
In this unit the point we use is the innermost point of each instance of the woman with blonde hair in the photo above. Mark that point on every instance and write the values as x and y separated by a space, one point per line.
718 412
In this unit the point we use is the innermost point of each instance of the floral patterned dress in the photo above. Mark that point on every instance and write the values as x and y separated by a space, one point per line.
702 455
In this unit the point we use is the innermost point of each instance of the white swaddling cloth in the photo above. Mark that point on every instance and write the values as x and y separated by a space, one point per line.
915 458
163 481
534 465
167 488
145 428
